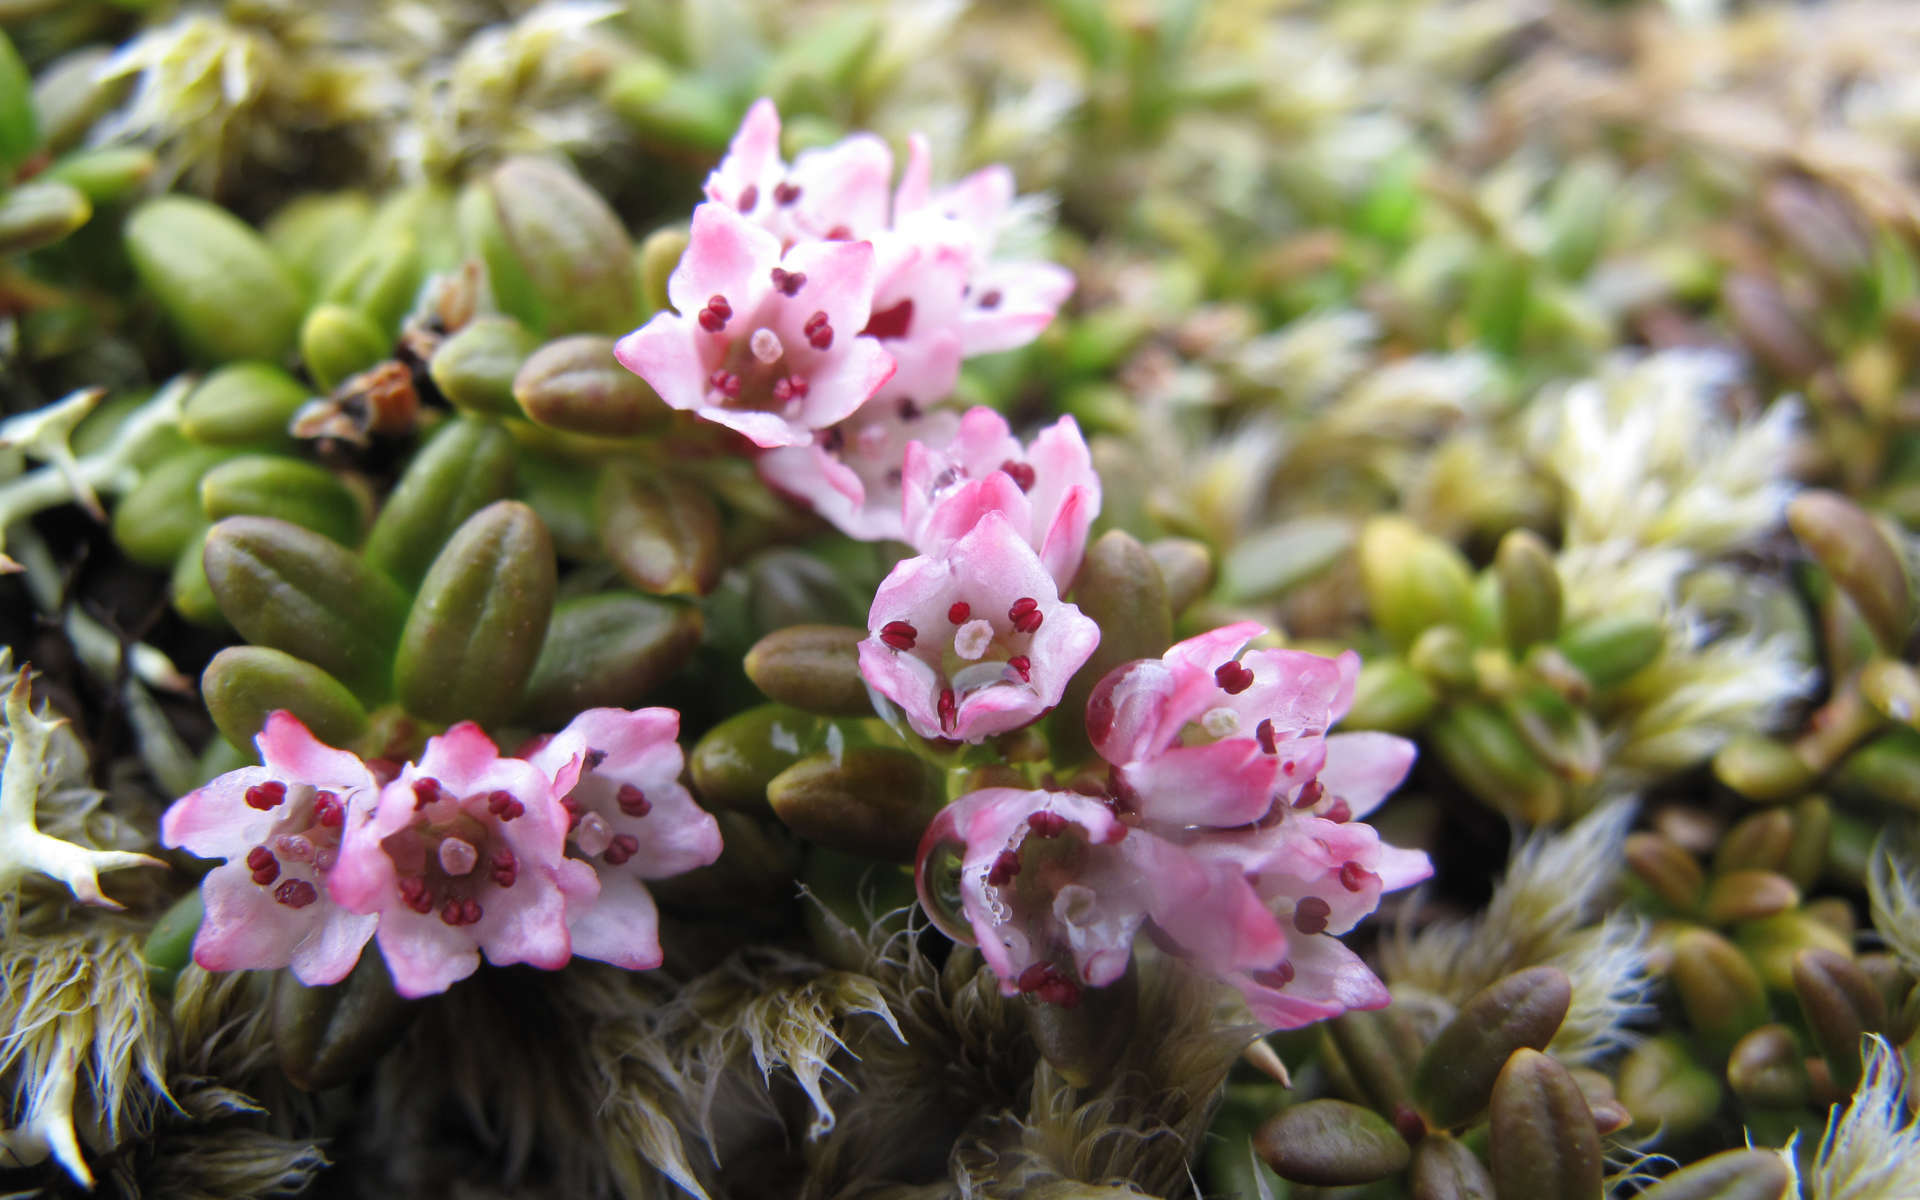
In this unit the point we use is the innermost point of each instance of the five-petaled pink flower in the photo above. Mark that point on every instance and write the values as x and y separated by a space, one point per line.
835 193
279 828
851 474
1048 492
465 854
766 344
631 819
975 641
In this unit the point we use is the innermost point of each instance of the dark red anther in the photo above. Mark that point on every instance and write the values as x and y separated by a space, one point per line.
788 283
501 803
592 759
899 634
819 331
1045 982
990 299
1025 614
1338 812
265 796
425 792
1310 794
1004 868
1263 732
633 801
504 867
623 847
840 233
1233 677
726 383
793 387
1353 876
328 811
749 198
949 710
414 894
891 323
296 893
1275 977
1021 473
785 193
451 913
1023 666
832 440
1034 976
471 912
714 317
1047 824
265 867
1310 915
574 811
959 611
909 411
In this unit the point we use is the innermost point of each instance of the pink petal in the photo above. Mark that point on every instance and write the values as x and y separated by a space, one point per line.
244 927
528 924
328 954
844 186
840 282
916 178
727 255
663 352
423 955
752 156
622 927
1063 541
1221 784
1362 768
287 748
841 384
215 821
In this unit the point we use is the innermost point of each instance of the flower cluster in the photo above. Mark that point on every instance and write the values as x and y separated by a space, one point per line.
466 852
1229 828
823 317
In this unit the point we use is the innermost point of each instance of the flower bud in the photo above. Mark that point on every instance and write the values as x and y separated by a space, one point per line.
243 404
873 801
1186 567
474 369
379 281
1664 1088
160 517
227 295
1772 942
169 945
1413 580
569 244
1331 1143
40 213
575 385
1372 1054
1748 895
475 628
324 1036
1719 989
337 342
1120 588
663 533
105 176
1841 1005
298 591
1530 601
1767 1069
658 255
1729 1175
812 667
1762 769
1480 746
291 489
243 684
1612 649
1542 1140
1758 842
1853 550
732 764
1456 1075
467 465
610 650
1673 874
1445 1169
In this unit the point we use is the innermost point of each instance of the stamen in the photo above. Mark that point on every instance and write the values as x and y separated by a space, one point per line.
839 233
453 913
714 317
1044 981
818 330
505 867
973 638
457 856
749 199
1310 915
425 792
265 867
766 347
785 193
1353 876
959 611
1264 732
296 893
328 811
990 299
1310 793
790 389
623 847
1025 614
633 801
899 634
1022 473
788 283
1338 812
1233 677
414 894
949 710
1004 868
1023 665
502 805
726 383
266 796
1275 977
1047 824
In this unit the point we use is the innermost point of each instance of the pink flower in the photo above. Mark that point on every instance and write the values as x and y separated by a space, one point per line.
1054 887
631 820
975 641
851 474
278 827
765 344
1203 737
464 854
1049 492
838 192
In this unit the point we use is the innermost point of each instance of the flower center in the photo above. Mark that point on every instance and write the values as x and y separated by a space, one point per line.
306 839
